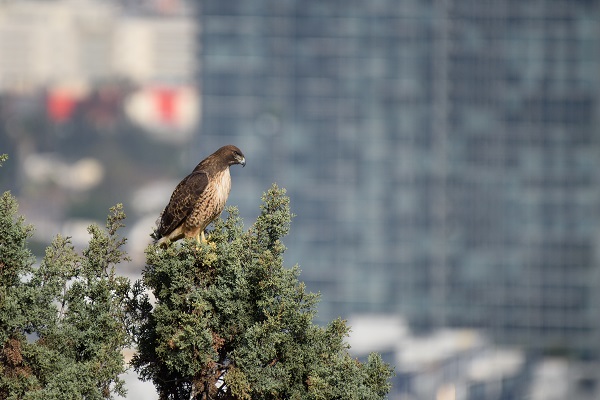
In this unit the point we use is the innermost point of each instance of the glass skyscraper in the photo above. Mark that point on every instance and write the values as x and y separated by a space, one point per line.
442 157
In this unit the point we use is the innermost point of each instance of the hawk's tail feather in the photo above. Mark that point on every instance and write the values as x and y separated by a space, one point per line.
157 232
155 235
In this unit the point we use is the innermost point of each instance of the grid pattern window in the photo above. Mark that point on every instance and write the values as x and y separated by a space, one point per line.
440 155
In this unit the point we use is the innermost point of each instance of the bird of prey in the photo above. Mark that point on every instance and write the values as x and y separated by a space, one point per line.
199 198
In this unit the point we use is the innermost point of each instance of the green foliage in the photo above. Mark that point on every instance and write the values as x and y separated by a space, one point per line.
16 261
231 322
63 324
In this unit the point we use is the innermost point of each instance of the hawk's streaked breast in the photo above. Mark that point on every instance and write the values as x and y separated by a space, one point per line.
211 202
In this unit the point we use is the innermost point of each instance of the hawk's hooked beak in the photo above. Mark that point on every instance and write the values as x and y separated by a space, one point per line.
243 162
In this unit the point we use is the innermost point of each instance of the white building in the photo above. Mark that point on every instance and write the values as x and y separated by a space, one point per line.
448 364
76 43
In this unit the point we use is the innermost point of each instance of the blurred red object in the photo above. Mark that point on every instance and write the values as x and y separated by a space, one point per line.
166 99
60 105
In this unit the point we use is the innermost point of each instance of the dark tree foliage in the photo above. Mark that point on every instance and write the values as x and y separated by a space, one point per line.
64 323
231 322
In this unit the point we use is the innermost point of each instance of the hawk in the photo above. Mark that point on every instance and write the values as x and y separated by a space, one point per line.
199 198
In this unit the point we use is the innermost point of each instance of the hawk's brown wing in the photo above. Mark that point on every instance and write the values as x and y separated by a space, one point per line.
182 201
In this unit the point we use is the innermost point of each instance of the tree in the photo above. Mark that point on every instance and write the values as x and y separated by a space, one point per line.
63 324
231 322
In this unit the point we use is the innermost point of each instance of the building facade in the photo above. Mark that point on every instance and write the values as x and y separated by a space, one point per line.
441 156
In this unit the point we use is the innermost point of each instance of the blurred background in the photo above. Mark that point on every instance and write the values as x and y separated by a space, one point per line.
441 156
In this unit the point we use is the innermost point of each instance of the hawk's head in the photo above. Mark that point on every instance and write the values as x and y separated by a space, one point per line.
231 155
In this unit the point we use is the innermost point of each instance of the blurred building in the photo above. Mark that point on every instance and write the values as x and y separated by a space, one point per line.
463 364
81 43
449 364
441 155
